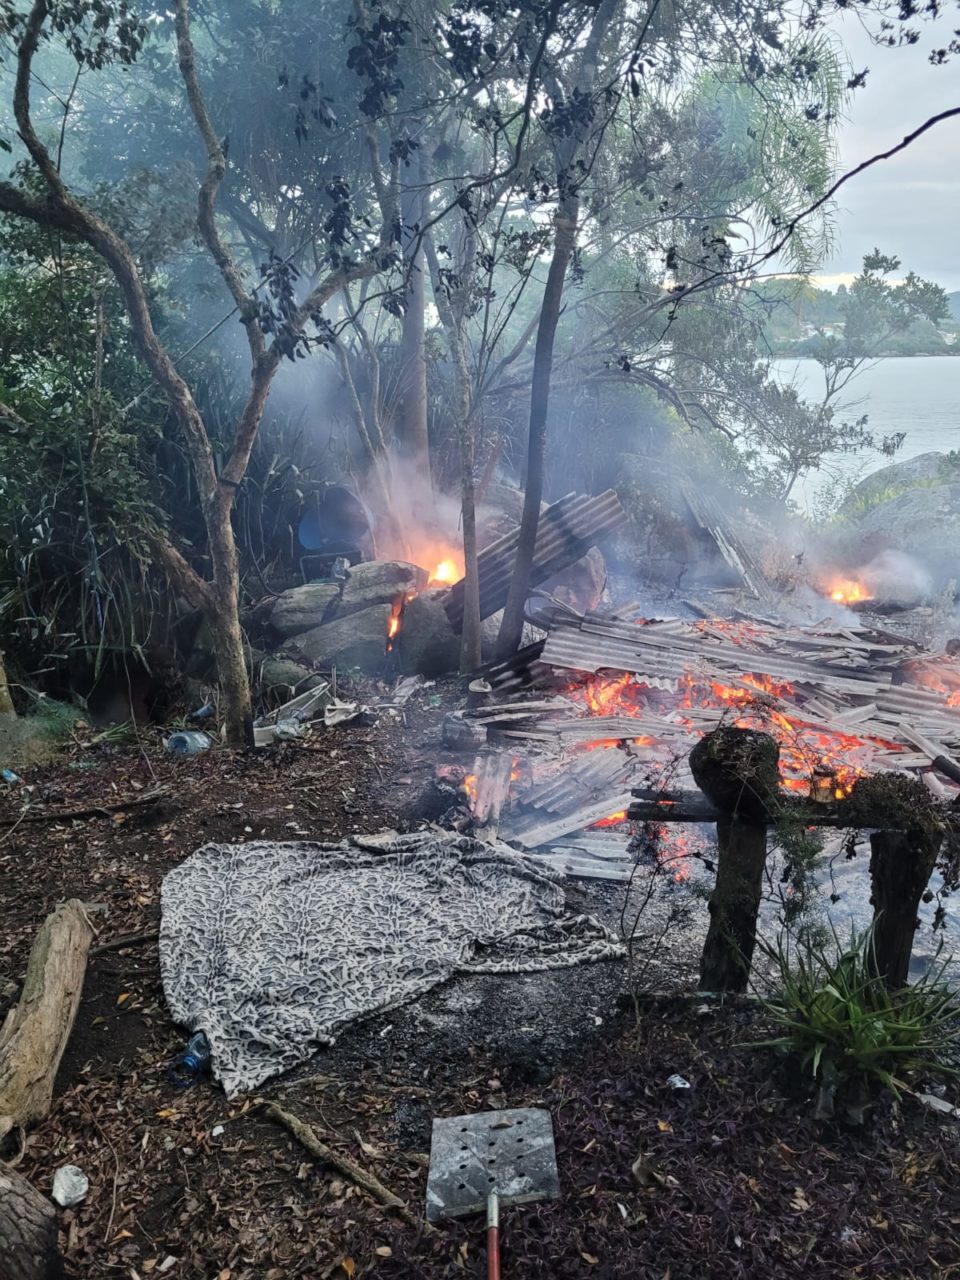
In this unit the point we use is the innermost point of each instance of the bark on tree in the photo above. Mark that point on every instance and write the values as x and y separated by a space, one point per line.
452 311
511 628
59 207
901 863
565 239
414 434
28 1232
35 1031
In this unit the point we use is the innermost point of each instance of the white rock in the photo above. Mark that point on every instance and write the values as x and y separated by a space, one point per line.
70 1185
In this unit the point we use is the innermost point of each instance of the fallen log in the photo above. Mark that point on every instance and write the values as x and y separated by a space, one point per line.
35 1031
28 1231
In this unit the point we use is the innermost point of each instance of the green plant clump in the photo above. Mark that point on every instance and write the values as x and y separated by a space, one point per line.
854 1035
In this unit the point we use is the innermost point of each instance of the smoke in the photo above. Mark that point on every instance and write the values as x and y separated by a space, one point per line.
423 525
896 577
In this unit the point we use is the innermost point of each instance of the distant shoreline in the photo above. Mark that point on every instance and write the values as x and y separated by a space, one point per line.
893 355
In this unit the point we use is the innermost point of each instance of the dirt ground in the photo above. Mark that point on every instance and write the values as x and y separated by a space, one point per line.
734 1177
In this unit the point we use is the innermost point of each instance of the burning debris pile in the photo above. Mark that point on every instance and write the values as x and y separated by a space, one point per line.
412 616
604 710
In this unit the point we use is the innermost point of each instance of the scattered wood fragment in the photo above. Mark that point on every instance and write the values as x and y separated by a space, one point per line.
126 940
35 1032
28 1231
307 1138
86 811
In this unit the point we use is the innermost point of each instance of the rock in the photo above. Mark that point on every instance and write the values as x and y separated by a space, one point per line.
303 608
358 640
489 630
582 584
924 523
284 673
380 582
889 482
70 1185
427 644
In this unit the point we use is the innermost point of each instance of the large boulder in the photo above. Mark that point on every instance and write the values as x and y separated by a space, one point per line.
427 644
380 582
375 582
926 470
923 523
358 640
303 608
277 674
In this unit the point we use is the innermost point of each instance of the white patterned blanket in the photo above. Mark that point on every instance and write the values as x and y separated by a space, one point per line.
271 949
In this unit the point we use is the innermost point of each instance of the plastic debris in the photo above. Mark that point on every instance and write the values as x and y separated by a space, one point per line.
337 712
70 1185
9 776
206 712
677 1082
188 743
933 1103
287 730
187 1067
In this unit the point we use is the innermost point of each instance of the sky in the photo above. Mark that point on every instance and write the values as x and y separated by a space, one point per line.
908 206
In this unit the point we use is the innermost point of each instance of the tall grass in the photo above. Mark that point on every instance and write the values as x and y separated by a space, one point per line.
835 1014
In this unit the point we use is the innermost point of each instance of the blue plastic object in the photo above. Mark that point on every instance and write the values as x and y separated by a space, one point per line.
205 712
192 1063
9 776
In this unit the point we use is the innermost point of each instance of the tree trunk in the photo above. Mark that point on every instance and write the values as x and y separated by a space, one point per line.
28 1232
452 310
35 1032
223 618
414 434
470 655
413 374
734 904
901 863
511 628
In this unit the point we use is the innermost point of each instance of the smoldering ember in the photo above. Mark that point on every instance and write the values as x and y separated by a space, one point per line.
480 627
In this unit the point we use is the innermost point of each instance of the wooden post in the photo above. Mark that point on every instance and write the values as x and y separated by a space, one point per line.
901 863
737 770
734 905
28 1231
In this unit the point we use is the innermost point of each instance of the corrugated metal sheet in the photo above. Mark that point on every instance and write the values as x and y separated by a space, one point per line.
567 530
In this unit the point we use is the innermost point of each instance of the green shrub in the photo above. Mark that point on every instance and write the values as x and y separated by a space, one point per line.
848 1030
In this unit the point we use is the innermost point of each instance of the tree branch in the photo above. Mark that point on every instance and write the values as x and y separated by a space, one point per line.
210 187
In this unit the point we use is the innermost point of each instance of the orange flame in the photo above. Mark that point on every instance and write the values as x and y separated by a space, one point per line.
445 573
848 591
613 821
805 748
393 626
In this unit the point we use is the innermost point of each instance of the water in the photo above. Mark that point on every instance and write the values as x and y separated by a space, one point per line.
918 395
